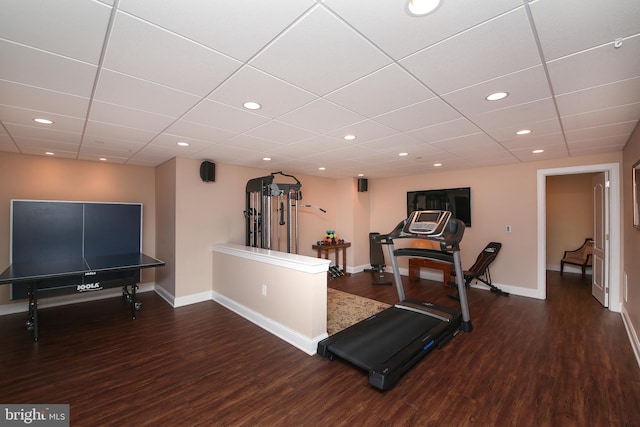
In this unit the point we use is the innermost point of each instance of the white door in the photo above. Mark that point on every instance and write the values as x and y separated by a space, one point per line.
600 281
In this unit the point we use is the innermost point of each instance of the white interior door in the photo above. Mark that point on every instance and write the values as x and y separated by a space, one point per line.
600 281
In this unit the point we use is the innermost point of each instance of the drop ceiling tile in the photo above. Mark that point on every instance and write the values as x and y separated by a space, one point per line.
586 134
41 133
191 130
238 29
597 66
215 114
320 53
165 58
321 116
522 86
394 144
24 117
120 89
538 129
42 100
33 145
598 145
92 157
460 145
571 26
60 153
108 132
600 97
365 130
518 116
280 132
419 115
447 130
624 113
479 54
533 141
252 143
170 142
599 142
103 149
380 92
399 34
526 154
128 117
250 84
494 160
65 27
63 75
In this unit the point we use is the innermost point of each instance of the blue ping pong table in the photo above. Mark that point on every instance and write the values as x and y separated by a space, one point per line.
54 277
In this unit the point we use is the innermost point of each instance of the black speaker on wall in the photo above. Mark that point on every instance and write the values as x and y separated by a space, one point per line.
363 185
208 171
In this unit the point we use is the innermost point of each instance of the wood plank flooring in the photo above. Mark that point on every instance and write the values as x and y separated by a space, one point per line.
565 361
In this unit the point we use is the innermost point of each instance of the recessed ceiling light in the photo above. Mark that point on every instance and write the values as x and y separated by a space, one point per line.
43 121
497 96
437 165
250 105
322 168
49 153
537 151
103 159
183 144
361 174
266 159
421 7
523 132
403 154
349 137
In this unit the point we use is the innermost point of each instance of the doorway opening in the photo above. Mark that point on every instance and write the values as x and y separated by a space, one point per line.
614 224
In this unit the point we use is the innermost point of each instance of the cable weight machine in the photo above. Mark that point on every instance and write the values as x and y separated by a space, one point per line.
271 206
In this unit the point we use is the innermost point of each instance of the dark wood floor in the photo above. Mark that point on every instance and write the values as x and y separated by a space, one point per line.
565 361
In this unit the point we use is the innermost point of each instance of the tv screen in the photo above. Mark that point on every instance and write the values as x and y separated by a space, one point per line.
455 200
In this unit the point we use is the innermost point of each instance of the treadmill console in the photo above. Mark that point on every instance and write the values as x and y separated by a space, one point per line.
427 223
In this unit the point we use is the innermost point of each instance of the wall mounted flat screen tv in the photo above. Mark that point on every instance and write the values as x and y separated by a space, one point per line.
455 200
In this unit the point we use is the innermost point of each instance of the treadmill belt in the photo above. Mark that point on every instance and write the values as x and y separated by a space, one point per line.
380 337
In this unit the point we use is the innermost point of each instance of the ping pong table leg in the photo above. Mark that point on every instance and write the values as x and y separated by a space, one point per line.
32 320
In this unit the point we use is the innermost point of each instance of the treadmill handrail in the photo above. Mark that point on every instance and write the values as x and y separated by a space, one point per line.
449 241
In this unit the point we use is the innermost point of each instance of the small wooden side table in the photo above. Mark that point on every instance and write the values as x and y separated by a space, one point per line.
323 250
416 263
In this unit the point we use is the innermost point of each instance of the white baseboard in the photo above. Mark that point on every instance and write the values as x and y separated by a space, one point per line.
631 332
568 268
306 344
22 307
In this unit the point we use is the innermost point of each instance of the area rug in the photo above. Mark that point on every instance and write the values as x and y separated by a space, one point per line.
344 309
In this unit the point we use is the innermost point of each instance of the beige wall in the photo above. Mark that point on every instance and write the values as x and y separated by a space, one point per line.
45 178
165 175
500 196
631 237
569 214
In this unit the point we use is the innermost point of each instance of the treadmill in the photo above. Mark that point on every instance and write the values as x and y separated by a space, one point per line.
389 343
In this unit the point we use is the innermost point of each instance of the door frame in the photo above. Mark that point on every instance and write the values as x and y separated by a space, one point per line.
614 226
